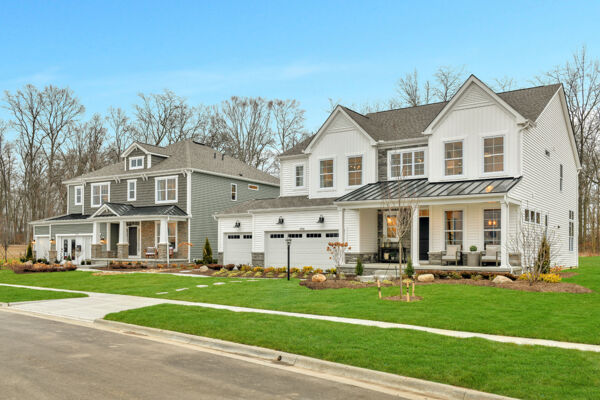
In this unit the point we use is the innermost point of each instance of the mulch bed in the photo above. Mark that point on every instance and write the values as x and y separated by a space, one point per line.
403 298
568 274
342 284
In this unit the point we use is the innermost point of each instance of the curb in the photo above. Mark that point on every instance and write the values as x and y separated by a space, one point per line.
398 382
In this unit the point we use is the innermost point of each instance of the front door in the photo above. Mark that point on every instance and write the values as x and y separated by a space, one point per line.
133 241
423 238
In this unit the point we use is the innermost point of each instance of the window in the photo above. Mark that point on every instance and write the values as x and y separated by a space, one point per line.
171 234
100 194
136 162
295 235
233 236
454 158
299 175
247 236
332 234
561 177
538 218
233 192
491 227
493 154
313 235
276 236
526 214
326 173
252 187
354 170
78 195
532 216
453 227
166 189
131 190
571 230
391 226
407 163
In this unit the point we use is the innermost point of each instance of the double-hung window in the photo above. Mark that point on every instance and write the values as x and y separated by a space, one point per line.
100 194
171 234
166 189
493 154
571 230
326 173
407 164
561 177
355 170
491 227
78 195
453 153
299 175
233 192
131 190
453 227
136 162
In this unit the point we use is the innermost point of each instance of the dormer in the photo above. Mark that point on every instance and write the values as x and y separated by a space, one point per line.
140 156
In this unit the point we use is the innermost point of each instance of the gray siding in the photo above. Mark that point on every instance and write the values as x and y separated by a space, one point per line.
157 159
73 209
145 195
212 194
74 228
41 230
136 153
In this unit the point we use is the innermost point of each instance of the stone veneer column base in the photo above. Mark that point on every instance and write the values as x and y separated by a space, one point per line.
352 258
52 255
258 259
220 258
122 250
96 251
162 250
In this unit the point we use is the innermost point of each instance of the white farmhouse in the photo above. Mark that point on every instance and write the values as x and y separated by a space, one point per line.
479 165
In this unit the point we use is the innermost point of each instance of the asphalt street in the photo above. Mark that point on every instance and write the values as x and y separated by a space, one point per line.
46 359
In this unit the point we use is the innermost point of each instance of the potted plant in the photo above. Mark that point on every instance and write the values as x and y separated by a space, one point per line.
473 257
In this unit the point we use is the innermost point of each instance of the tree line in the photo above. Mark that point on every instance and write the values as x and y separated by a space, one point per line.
54 141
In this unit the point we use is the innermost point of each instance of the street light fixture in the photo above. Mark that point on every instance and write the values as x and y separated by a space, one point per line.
288 241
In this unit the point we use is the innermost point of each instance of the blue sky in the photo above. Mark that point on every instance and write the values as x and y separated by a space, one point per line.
108 51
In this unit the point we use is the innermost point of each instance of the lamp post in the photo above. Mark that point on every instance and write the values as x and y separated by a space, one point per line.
288 241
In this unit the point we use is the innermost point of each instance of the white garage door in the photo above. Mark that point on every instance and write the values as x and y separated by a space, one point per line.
237 248
42 246
309 248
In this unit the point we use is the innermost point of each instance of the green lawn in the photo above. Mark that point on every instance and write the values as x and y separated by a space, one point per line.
529 372
558 316
12 294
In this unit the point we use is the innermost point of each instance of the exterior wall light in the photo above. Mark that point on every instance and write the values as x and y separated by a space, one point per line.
321 219
237 224
280 221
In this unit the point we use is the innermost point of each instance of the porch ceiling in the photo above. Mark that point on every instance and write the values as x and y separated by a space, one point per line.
422 188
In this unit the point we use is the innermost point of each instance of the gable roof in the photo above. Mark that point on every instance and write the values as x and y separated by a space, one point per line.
128 210
410 122
187 154
277 203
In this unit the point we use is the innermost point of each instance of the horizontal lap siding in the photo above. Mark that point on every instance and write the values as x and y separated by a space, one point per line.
41 230
212 194
72 208
72 229
226 225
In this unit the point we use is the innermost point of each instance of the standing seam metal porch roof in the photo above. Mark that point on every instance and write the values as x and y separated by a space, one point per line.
127 210
420 188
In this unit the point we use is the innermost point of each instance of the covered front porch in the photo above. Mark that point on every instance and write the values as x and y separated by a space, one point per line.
477 223
136 234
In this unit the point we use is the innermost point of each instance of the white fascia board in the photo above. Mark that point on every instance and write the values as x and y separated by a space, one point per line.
136 145
384 144
563 103
473 198
472 80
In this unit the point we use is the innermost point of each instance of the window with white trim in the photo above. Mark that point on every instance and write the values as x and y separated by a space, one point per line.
233 192
491 227
453 158
299 170
131 190
326 173
100 194
493 154
571 230
171 234
355 170
453 227
166 189
78 200
407 163
136 162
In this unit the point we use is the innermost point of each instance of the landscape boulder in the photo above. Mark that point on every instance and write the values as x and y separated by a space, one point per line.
426 278
204 268
28 263
501 279
318 278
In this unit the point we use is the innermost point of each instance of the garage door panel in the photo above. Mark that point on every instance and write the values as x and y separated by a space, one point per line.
308 248
237 248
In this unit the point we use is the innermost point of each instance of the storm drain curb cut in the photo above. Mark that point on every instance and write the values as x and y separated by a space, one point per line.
417 386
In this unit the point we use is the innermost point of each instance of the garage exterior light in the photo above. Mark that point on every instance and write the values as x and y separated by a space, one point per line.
237 224
280 221
321 219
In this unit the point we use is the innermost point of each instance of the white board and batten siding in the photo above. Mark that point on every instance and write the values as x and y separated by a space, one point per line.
475 116
288 177
340 140
539 189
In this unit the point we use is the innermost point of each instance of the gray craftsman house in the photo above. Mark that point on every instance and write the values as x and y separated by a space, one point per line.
156 198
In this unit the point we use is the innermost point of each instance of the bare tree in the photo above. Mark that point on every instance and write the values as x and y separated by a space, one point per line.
448 81
289 124
503 84
121 132
7 209
409 89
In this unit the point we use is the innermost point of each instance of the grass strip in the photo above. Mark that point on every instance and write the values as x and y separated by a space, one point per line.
529 372
9 294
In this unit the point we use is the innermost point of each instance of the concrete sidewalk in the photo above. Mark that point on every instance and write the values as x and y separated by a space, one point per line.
97 305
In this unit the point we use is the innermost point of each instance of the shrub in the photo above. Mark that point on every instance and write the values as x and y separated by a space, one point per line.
543 257
307 270
549 278
387 282
454 275
270 274
318 271
259 273
410 271
29 253
473 248
556 269
294 271
207 256
245 268
248 273
269 270
477 277
281 270
258 269
359 267
294 275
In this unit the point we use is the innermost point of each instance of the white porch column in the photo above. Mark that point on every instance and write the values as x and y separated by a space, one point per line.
123 232
504 233
414 238
95 232
164 231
